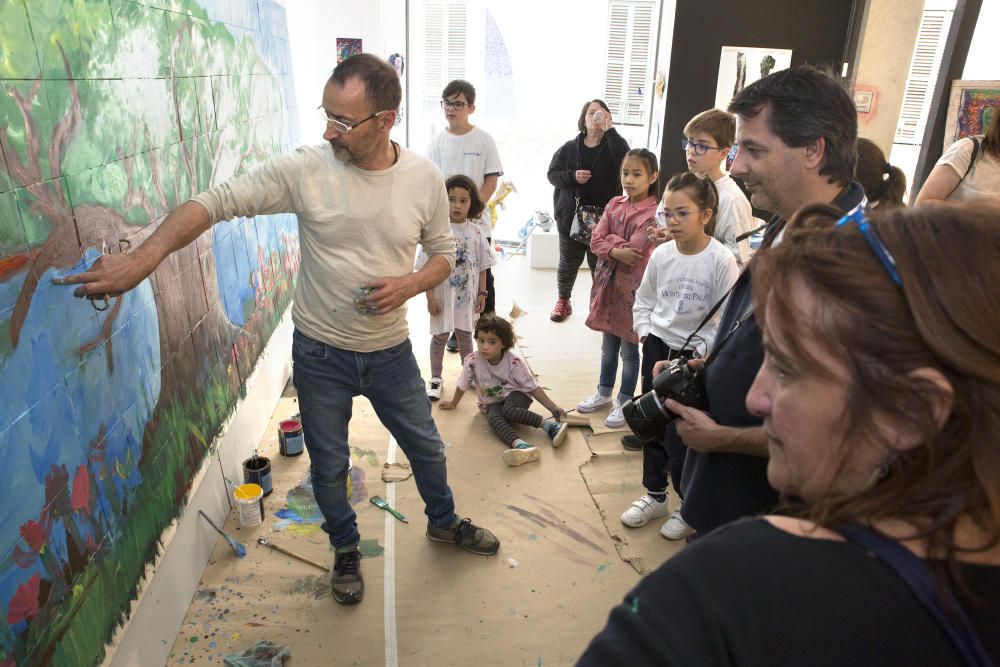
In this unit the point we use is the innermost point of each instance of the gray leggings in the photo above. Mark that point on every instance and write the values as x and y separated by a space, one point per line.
513 409
437 349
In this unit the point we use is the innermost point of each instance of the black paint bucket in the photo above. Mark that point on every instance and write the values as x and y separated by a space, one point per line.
257 470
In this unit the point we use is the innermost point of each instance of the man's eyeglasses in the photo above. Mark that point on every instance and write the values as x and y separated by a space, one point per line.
453 104
699 149
342 127
857 216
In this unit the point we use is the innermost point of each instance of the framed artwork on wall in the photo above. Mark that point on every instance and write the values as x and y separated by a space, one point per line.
347 47
971 106
739 66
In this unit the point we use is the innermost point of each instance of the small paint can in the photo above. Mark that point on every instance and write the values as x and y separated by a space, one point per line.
249 504
291 441
257 470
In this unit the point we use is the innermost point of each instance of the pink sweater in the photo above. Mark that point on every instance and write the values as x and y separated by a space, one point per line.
613 293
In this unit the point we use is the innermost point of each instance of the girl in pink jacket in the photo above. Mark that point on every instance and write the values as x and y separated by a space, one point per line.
622 244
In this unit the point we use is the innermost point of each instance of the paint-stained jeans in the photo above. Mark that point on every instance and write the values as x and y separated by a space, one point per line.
327 380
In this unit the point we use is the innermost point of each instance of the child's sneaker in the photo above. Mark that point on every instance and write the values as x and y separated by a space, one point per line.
593 403
467 535
556 430
643 511
521 454
615 417
676 528
434 389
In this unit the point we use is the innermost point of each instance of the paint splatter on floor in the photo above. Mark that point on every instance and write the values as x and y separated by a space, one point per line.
301 515
318 587
370 548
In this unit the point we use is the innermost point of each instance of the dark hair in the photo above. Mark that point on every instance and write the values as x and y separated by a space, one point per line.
716 123
881 333
884 184
495 324
649 160
460 86
465 183
991 135
806 104
382 87
701 189
581 124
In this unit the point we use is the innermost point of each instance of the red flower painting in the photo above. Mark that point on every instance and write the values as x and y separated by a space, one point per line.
80 498
34 535
24 604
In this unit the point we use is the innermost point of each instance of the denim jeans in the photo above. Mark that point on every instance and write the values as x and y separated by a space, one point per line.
611 345
327 380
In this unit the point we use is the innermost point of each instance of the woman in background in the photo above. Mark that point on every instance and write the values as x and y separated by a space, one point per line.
965 172
884 184
585 168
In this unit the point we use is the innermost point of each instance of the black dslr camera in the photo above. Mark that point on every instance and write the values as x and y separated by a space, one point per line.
646 415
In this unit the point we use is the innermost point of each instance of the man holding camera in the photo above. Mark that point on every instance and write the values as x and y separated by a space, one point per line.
796 130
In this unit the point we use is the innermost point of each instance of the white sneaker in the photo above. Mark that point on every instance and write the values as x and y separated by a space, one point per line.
643 511
434 389
595 402
675 528
516 456
615 417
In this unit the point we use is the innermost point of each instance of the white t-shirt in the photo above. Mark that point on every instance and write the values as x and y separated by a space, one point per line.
354 225
678 290
459 294
983 182
495 383
735 217
473 154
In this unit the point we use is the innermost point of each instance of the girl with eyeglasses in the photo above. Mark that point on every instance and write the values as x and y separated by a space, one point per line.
685 277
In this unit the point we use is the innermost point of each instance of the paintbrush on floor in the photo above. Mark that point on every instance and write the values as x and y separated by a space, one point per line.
238 547
268 543
377 501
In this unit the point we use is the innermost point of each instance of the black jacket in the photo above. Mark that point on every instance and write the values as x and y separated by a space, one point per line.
604 182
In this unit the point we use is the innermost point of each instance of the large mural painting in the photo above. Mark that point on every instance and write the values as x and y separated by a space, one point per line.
111 113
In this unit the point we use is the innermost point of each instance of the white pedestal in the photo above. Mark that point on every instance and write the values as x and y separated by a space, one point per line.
543 249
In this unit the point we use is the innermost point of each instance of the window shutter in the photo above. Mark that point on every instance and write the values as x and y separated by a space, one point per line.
627 70
923 73
444 47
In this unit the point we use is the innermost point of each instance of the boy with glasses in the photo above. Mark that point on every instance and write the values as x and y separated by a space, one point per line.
708 138
465 149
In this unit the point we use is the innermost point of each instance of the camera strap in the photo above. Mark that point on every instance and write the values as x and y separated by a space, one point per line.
705 320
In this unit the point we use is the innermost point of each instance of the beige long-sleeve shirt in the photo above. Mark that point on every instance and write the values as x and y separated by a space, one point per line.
354 225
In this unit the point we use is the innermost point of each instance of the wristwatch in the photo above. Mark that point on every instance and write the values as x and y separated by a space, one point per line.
483 292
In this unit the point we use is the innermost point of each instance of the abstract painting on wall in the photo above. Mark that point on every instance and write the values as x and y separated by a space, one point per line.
739 66
347 47
970 108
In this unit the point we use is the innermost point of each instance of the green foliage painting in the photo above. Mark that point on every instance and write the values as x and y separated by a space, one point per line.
111 113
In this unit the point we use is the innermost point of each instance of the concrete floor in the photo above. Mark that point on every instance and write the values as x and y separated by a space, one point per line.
565 558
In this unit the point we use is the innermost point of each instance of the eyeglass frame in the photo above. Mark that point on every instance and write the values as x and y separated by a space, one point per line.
662 215
705 147
342 127
454 104
857 216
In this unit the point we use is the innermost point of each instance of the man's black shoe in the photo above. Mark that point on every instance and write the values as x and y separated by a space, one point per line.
347 585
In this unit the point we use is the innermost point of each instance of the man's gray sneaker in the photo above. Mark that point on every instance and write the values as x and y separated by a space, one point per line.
347 585
467 535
